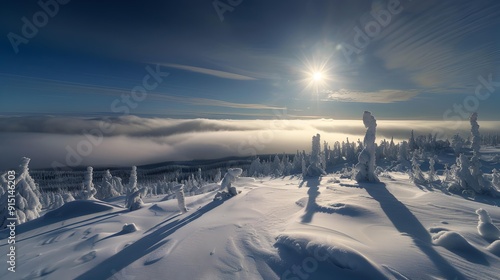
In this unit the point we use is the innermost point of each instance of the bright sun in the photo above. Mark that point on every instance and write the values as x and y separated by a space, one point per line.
317 76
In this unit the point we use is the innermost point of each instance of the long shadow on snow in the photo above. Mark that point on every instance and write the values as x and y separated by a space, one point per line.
143 246
313 192
35 224
405 222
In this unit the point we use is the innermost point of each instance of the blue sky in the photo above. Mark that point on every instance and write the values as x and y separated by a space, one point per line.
259 58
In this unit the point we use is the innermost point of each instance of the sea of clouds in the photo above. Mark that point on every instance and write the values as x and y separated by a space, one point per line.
132 140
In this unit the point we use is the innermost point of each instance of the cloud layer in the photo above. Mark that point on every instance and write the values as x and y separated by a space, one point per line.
381 96
131 140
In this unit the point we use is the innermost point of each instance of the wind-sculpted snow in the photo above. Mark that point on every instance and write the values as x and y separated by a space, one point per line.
485 225
318 250
494 248
78 208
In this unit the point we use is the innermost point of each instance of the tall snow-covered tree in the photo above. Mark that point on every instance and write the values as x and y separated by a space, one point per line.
180 198
432 171
475 167
464 176
416 175
89 190
131 187
365 168
314 169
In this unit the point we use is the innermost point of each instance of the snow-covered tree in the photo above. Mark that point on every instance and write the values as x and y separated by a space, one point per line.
255 168
277 167
57 202
403 153
416 175
303 167
229 178
88 191
464 177
432 171
67 197
132 182
134 200
475 167
180 198
27 206
448 175
131 187
109 186
365 169
314 169
218 176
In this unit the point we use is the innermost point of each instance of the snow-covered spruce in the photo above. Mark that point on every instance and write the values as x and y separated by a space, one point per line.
88 191
180 198
315 167
27 205
464 177
485 225
475 164
131 187
432 176
416 175
365 168
109 187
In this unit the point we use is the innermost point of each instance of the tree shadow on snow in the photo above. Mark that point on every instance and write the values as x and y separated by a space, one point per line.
143 246
313 192
405 222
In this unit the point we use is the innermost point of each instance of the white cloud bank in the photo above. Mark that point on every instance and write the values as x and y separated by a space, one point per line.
381 96
135 141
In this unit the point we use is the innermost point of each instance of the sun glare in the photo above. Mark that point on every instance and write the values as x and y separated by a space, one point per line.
317 76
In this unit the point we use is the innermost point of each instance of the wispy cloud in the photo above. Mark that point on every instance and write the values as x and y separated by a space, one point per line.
381 96
211 72
35 84
213 102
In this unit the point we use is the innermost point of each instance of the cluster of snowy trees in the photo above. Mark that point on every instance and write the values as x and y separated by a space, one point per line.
466 175
30 201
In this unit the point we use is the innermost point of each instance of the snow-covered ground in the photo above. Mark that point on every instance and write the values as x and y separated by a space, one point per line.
286 228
